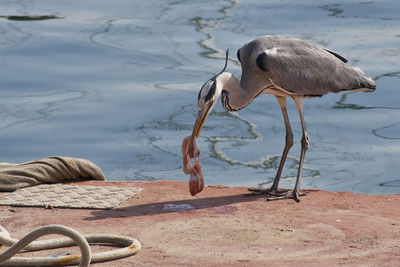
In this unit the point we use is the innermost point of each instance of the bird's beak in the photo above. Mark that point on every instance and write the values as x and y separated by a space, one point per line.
198 125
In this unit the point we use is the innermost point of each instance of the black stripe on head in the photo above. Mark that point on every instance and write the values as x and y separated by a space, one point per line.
213 81
238 55
199 94
211 92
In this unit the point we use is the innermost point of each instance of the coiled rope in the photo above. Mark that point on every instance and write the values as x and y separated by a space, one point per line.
27 243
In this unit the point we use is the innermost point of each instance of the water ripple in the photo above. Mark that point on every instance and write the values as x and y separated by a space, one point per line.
24 108
391 131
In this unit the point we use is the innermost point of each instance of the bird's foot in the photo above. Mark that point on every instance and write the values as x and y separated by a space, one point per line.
256 191
295 194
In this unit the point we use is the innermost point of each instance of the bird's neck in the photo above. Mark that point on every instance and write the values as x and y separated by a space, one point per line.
233 96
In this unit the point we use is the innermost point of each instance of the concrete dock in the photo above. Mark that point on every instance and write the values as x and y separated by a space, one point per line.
220 227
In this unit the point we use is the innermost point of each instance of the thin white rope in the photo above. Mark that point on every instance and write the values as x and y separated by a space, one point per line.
131 247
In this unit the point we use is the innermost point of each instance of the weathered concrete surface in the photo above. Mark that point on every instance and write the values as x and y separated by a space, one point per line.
220 226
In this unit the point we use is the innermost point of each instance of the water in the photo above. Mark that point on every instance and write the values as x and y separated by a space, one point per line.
116 82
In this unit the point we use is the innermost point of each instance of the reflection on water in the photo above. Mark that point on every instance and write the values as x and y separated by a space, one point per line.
334 9
204 25
27 108
388 132
393 74
30 18
116 82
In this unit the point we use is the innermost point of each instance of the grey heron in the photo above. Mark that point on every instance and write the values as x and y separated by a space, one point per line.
286 68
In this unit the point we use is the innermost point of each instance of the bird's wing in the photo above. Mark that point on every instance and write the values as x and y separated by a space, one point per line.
307 69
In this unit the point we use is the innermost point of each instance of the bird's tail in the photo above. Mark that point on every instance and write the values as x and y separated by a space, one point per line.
364 83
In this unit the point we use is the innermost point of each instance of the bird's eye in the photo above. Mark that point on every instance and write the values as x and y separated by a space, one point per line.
238 55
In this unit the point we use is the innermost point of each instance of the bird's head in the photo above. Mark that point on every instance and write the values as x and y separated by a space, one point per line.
208 96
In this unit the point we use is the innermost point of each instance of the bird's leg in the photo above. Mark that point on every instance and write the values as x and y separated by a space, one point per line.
305 142
288 144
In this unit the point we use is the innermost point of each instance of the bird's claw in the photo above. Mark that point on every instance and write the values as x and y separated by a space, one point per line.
268 191
295 194
276 194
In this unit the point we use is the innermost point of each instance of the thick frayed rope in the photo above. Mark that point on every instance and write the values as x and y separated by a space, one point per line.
131 247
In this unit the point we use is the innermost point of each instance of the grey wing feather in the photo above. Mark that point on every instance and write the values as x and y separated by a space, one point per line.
337 55
307 69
